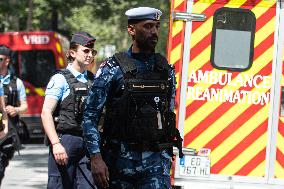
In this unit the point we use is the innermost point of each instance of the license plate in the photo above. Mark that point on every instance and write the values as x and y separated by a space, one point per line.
194 166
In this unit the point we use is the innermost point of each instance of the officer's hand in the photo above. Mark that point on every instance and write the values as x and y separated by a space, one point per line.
11 111
100 171
2 134
59 154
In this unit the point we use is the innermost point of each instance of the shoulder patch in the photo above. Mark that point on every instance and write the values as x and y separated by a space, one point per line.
111 62
103 64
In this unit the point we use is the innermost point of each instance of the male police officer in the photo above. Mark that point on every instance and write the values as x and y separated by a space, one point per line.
15 100
5 146
138 89
62 115
14 89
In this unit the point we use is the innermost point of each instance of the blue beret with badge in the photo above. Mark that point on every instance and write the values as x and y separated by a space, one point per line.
143 13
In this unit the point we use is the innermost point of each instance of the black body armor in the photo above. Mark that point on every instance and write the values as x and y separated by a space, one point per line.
142 113
69 112
11 93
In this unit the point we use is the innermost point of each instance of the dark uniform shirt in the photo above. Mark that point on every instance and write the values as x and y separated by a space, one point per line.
108 85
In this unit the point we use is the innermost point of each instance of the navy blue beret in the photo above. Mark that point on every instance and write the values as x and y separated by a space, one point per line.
4 50
82 38
143 13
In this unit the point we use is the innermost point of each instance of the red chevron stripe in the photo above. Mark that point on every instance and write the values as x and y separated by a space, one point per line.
281 127
201 45
204 124
239 148
181 7
252 164
280 157
265 18
232 127
263 46
177 40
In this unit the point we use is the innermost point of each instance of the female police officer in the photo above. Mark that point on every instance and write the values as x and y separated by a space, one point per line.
138 89
61 116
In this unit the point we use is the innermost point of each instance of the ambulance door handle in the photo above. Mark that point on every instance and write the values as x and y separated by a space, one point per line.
185 16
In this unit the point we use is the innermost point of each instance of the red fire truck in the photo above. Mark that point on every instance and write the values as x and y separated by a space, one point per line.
36 55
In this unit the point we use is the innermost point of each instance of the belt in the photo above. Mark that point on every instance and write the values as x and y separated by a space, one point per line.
140 147
73 133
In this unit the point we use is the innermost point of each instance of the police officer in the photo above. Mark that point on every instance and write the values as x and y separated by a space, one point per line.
62 115
137 87
14 89
4 157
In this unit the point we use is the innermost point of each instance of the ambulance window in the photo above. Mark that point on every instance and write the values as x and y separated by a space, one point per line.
233 39
282 103
37 66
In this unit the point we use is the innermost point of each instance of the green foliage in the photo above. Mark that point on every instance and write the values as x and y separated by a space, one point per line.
103 19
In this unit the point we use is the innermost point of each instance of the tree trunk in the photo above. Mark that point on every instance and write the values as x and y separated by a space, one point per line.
30 16
54 19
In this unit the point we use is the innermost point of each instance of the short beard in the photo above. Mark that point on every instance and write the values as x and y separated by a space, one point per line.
145 44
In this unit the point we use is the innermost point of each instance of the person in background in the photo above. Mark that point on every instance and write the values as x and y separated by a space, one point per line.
5 140
12 95
14 91
68 164
137 89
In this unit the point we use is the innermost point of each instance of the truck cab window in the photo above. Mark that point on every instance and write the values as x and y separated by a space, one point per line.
37 66
233 39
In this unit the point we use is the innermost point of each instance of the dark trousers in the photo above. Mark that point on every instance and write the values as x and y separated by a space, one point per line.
3 164
138 170
77 173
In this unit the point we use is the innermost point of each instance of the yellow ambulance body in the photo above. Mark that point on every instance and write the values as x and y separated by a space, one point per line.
228 57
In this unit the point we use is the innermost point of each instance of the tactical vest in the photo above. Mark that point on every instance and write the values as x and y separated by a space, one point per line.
140 113
11 93
69 112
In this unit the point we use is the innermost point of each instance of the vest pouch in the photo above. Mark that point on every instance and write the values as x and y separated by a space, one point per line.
144 125
80 95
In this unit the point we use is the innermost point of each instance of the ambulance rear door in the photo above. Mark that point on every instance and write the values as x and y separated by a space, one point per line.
227 90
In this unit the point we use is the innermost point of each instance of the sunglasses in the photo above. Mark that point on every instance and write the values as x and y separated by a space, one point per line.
87 51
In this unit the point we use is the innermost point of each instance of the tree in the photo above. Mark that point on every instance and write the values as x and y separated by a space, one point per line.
104 19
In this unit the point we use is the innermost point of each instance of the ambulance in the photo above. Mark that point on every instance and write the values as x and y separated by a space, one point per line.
36 55
228 57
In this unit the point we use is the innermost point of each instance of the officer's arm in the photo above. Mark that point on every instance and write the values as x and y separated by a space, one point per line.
49 106
4 115
94 106
22 108
22 97
53 94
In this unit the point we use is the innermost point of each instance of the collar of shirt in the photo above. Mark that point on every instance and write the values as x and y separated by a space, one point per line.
143 61
6 79
77 74
140 56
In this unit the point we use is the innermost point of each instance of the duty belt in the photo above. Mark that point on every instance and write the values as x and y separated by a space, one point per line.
73 133
140 147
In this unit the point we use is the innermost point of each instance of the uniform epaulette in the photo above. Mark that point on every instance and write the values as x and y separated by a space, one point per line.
111 62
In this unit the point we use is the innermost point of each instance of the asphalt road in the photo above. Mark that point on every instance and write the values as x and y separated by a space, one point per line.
29 170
